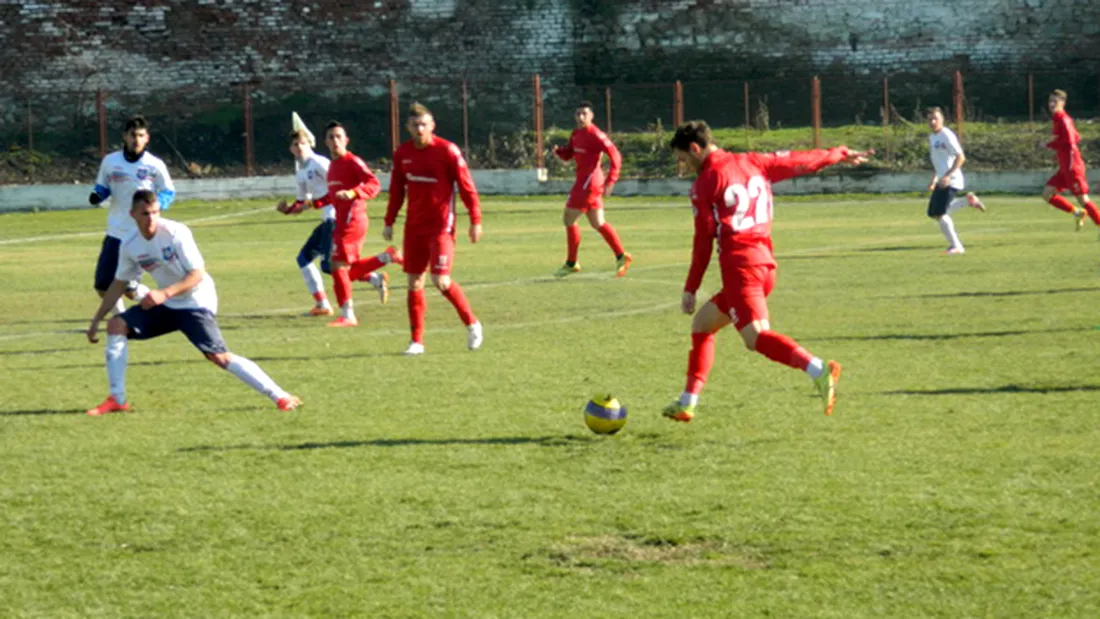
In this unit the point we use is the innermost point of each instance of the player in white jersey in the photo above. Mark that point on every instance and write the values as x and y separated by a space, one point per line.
121 174
947 160
184 301
313 193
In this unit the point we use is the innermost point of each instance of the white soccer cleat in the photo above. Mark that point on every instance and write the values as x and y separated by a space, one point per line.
974 202
414 349
474 336
955 251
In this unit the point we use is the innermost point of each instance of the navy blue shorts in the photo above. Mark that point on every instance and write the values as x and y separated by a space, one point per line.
107 264
940 200
199 325
318 245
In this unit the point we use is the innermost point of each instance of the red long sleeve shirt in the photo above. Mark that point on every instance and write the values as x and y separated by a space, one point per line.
351 172
428 177
732 201
1065 141
586 145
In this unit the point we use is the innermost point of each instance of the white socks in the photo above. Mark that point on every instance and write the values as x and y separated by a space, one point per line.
119 307
348 310
947 227
312 275
139 292
957 204
375 279
251 375
816 367
116 356
689 399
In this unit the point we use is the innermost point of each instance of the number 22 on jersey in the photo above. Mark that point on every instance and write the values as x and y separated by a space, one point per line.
757 197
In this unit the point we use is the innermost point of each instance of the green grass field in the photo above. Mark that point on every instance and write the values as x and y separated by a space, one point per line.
958 477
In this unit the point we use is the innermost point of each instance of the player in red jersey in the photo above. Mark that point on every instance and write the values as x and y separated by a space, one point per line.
1071 166
350 185
426 169
586 144
732 200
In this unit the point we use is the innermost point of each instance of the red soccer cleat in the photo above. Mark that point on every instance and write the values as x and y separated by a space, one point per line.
344 322
110 405
396 257
289 403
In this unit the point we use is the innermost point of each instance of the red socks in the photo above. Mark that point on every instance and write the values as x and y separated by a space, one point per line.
418 306
341 285
700 360
609 235
1094 213
782 349
572 242
1062 204
363 268
458 299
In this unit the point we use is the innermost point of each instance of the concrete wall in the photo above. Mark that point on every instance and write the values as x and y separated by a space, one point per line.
526 182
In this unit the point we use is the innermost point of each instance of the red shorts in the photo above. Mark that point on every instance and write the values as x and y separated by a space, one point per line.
347 240
744 293
436 251
1072 180
584 198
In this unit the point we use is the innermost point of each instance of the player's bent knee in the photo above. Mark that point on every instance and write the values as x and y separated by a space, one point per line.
1048 192
442 282
220 359
117 326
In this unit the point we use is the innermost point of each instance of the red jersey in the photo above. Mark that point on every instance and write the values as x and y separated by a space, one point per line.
429 176
1065 141
350 172
586 145
732 200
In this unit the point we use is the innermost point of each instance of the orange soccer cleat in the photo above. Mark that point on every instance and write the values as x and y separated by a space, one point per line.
344 322
319 310
623 264
679 412
110 405
289 403
826 385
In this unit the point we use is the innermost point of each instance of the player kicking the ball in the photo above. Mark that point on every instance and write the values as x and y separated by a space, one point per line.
186 301
732 200
426 169
1071 165
586 145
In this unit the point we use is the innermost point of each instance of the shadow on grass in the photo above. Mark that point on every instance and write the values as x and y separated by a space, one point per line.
1005 293
940 336
43 351
199 360
546 441
896 248
995 390
43 411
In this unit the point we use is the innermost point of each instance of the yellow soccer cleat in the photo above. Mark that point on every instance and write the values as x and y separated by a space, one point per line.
826 385
565 269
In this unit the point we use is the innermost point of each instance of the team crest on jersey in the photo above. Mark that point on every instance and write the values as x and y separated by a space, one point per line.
147 263
168 253
142 173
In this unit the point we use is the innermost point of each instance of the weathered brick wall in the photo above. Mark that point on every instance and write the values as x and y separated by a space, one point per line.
183 60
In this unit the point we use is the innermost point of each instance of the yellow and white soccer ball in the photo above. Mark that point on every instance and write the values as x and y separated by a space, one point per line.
604 414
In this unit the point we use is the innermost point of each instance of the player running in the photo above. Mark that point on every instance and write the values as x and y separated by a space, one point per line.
350 184
426 168
586 144
1071 165
732 200
947 161
185 301
121 173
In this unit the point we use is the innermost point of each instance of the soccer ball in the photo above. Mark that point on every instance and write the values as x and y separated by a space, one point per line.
604 414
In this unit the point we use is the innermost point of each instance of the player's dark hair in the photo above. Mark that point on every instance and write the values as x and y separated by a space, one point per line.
136 122
692 132
935 109
143 197
1059 94
332 125
586 104
418 109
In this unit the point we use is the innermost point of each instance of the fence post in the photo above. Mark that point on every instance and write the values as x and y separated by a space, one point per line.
101 115
540 162
607 105
465 119
677 104
886 114
1031 98
959 115
30 127
395 125
815 109
249 161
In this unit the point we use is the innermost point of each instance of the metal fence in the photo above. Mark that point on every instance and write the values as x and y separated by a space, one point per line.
241 129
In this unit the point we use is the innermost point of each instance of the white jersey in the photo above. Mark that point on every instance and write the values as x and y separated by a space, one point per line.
312 180
169 256
122 179
944 148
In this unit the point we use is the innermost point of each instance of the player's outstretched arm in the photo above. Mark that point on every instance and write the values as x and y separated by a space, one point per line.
110 297
784 165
